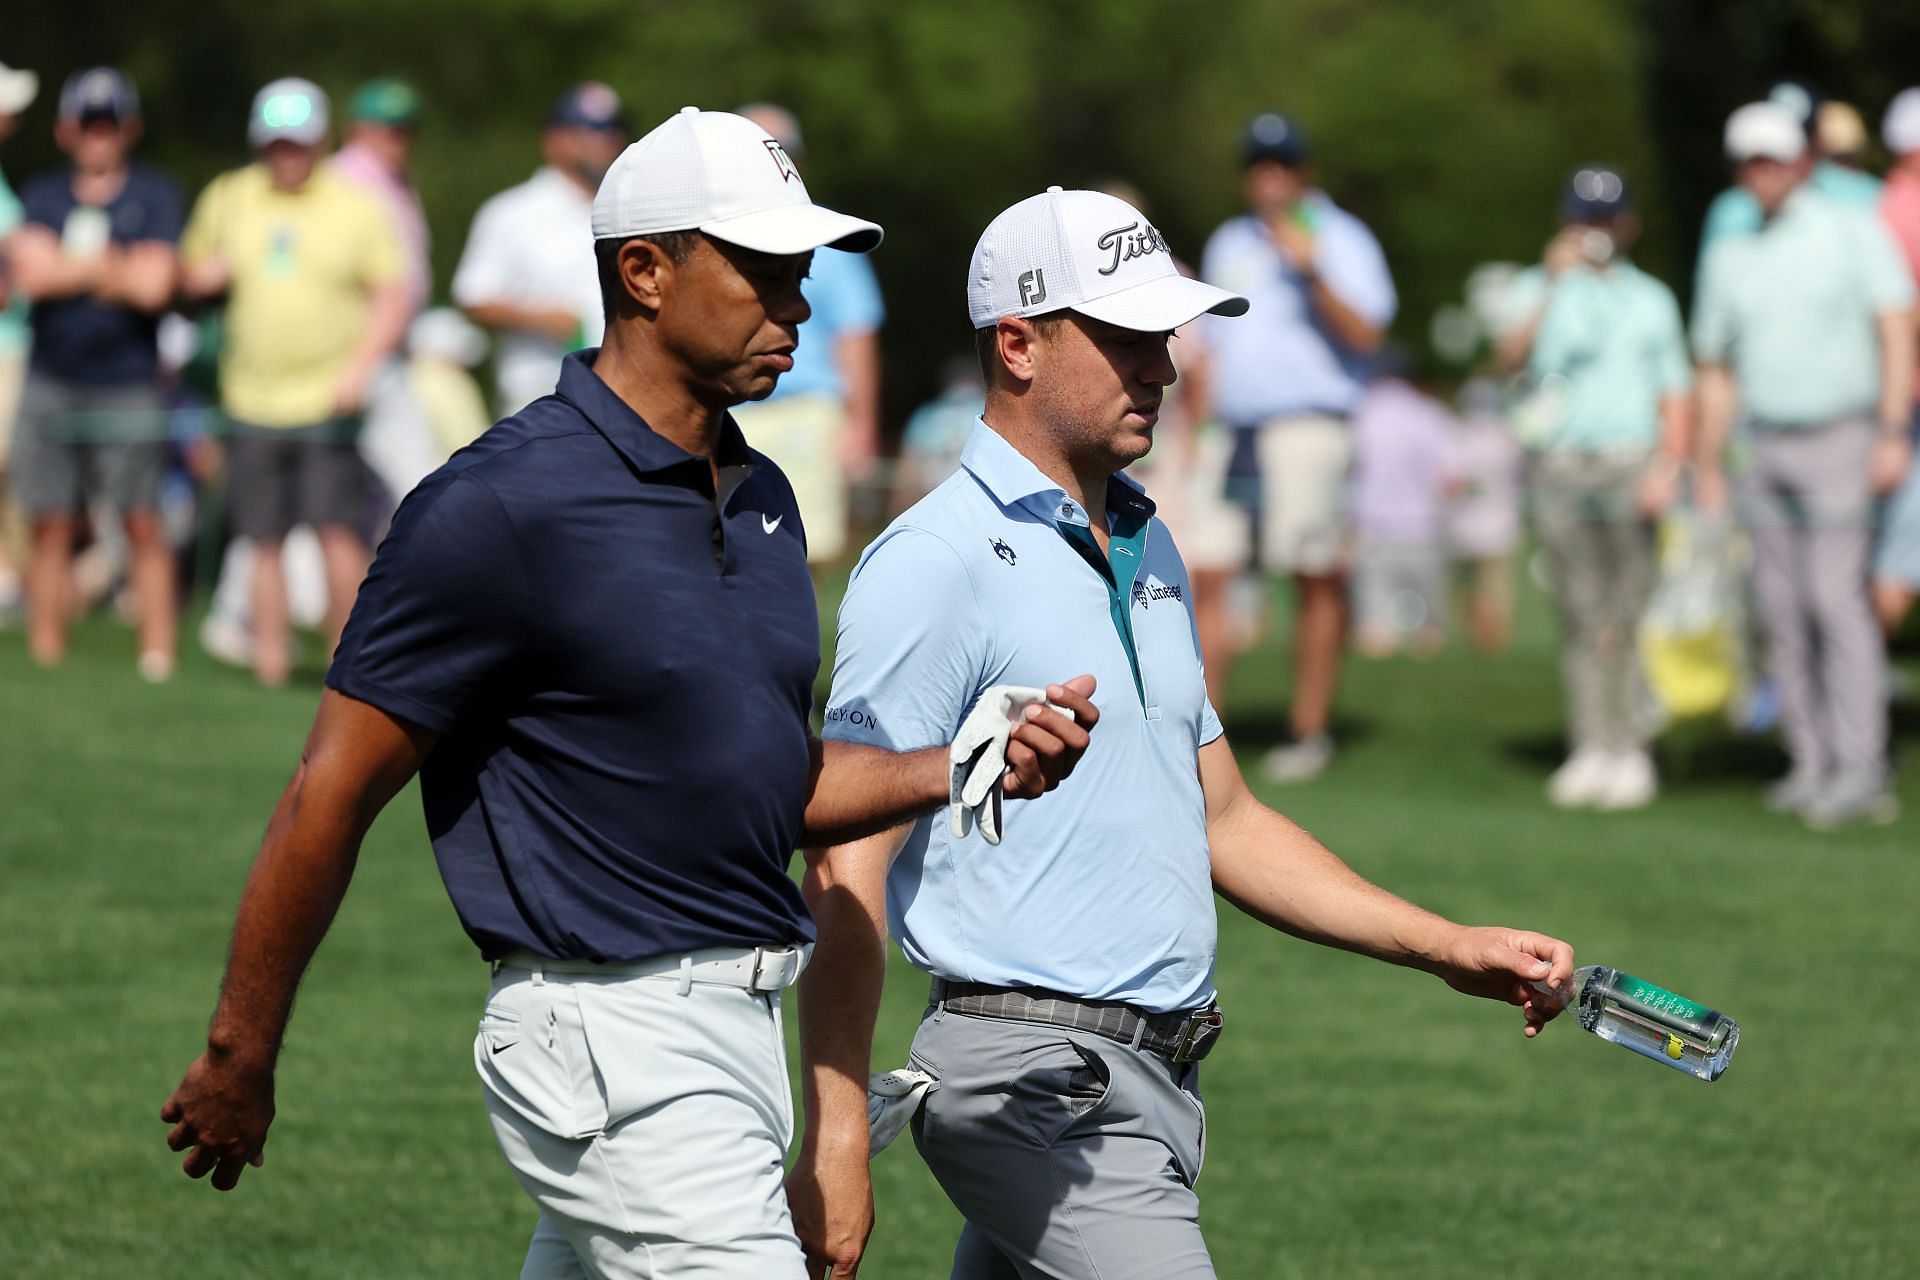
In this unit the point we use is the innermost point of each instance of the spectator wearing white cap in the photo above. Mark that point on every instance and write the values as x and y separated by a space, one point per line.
311 268
594 634
1896 562
1072 962
96 255
17 91
1804 326
1735 211
527 269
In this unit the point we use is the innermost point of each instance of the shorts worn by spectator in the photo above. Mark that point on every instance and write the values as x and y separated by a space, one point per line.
95 253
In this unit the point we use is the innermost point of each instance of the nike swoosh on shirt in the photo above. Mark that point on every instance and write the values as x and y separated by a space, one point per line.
771 525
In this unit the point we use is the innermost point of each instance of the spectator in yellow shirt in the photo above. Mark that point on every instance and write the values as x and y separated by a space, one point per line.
312 273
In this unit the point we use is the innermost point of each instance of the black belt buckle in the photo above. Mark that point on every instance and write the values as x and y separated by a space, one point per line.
1197 1035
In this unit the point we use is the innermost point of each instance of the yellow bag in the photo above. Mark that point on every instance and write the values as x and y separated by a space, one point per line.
1691 638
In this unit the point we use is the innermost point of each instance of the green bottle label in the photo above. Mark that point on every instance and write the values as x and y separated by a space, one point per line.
1661 1000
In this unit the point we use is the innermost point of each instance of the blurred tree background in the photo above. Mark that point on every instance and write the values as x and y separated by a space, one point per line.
1447 126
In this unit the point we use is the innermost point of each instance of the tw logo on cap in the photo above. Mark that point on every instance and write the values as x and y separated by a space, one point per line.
789 172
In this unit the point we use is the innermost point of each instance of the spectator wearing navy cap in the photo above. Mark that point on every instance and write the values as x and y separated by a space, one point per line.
1287 379
527 270
96 255
1603 346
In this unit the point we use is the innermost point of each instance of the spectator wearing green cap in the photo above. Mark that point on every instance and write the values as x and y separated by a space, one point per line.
378 155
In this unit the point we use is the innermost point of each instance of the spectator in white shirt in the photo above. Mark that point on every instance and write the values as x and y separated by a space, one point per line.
527 271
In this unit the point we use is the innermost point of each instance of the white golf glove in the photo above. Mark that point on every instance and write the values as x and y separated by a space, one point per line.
979 758
892 1099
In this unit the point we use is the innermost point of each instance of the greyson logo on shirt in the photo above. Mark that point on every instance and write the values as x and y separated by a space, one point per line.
1004 551
1144 594
1135 240
855 716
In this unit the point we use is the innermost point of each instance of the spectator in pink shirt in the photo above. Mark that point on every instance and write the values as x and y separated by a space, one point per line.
1896 562
378 155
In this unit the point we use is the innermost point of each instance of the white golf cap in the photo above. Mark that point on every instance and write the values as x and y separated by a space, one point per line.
1765 131
288 109
1901 128
17 89
1091 252
723 174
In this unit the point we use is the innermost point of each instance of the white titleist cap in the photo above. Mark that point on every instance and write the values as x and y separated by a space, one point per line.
1901 129
1765 131
1091 252
723 174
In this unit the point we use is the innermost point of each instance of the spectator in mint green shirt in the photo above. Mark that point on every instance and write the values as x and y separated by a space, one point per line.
17 91
1604 349
1805 325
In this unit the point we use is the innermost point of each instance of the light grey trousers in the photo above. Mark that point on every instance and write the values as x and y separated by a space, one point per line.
1807 503
1600 553
1071 1156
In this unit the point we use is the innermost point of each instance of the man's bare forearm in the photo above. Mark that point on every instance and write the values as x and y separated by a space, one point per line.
1896 371
1718 402
1280 875
1356 333
845 887
859 790
301 873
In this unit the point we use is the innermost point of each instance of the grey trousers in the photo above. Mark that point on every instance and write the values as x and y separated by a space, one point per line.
1600 552
1807 504
1071 1156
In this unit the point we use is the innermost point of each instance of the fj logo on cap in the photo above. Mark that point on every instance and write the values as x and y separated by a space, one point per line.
1135 240
782 161
1033 288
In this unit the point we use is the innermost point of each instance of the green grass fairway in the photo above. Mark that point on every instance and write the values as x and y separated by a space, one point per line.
1366 1121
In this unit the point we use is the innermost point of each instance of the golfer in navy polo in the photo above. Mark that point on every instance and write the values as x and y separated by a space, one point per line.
594 635
1072 964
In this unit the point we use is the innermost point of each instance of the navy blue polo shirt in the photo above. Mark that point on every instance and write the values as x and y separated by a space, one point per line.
620 664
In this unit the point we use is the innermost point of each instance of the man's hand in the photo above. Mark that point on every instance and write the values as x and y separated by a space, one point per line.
1503 964
831 1197
1659 486
1295 242
1892 455
220 1114
1014 743
1565 251
350 392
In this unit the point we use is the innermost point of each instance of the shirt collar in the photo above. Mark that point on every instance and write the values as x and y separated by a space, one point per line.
642 446
1014 481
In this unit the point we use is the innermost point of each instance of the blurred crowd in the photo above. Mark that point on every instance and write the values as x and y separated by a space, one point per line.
238 388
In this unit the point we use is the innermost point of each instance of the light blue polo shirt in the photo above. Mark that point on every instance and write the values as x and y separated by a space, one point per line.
1280 360
1792 308
845 299
1103 888
1612 345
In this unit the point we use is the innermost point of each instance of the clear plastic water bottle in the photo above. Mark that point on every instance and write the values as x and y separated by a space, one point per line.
1651 1020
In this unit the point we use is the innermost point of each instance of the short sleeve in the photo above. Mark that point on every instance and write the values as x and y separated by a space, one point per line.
163 212
45 201
485 272
859 305
382 261
201 240
442 615
1884 272
912 650
1355 268
1520 301
1713 323
1672 371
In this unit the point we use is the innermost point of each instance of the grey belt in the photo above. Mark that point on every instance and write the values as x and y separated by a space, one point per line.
1182 1035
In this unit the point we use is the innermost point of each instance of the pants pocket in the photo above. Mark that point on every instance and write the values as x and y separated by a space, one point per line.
532 1056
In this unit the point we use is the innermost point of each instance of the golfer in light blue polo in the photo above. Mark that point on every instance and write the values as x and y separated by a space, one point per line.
1072 963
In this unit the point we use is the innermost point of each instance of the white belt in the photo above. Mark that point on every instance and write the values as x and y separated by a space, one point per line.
750 968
